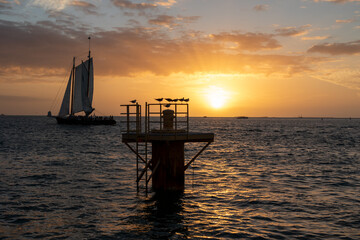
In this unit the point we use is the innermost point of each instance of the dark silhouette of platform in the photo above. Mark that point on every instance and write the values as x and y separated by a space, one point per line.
168 136
166 131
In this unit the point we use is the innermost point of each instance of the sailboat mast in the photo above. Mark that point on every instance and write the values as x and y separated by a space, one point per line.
72 87
88 83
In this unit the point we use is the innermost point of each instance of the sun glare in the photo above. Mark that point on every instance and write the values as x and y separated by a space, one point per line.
217 97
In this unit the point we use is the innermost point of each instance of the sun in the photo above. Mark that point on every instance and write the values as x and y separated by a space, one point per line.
217 97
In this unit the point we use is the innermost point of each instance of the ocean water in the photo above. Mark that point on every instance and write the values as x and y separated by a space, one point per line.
260 179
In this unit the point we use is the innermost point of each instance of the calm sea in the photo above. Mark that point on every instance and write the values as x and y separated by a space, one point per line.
260 179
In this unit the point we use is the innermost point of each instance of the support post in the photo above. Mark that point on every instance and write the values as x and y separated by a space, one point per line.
169 156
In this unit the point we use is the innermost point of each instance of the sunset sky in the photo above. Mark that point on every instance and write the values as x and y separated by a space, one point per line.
275 58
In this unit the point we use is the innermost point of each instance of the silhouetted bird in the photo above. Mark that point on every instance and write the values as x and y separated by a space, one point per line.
181 99
186 100
168 99
167 105
175 100
133 101
159 99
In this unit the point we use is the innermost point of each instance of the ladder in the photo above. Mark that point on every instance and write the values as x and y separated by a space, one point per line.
133 124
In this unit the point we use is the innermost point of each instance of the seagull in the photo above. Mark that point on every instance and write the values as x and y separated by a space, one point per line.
186 100
133 101
181 99
159 99
167 105
168 99
175 100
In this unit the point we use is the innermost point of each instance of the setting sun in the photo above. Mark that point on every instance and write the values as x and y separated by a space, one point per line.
217 96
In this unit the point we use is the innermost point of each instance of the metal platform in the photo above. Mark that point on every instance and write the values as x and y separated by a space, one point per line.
167 136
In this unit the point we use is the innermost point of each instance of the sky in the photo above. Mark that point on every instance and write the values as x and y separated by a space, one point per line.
256 58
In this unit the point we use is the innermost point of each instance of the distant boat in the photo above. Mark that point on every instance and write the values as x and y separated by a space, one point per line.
78 97
241 117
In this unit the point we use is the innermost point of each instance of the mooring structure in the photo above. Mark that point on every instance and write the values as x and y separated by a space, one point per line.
160 147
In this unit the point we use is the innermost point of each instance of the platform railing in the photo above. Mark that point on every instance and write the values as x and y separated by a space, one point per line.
132 115
154 116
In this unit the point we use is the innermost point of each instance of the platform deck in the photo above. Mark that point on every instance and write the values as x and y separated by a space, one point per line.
168 136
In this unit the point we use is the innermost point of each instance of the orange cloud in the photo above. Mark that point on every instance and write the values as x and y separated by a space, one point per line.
171 21
349 48
126 4
315 38
345 21
24 74
51 5
84 6
167 3
261 7
81 4
164 20
293 31
4 2
248 41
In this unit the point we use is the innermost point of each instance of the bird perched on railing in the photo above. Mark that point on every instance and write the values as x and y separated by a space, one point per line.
159 99
168 99
186 100
133 101
181 99
175 100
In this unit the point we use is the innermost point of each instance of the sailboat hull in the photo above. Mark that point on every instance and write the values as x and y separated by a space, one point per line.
82 120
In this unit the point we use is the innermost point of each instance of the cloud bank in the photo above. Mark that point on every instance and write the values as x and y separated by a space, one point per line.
131 51
348 48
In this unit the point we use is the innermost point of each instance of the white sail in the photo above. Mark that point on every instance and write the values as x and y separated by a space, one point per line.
87 89
91 81
82 89
64 109
77 91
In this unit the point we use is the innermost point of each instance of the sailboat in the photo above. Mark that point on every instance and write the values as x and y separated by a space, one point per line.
78 97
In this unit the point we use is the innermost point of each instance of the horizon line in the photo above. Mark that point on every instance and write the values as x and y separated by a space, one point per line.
204 116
